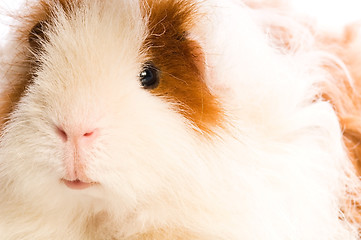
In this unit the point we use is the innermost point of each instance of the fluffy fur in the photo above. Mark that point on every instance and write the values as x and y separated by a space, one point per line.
242 139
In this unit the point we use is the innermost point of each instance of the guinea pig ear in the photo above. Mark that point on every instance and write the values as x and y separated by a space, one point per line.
37 35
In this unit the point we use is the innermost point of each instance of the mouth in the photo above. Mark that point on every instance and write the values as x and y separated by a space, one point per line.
78 184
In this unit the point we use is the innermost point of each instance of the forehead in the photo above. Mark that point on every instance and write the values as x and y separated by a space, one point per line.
95 28
113 28
173 17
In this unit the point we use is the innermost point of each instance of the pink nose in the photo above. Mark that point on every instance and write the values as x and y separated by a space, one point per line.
76 135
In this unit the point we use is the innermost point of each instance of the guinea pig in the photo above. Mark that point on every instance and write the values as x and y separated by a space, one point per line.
177 120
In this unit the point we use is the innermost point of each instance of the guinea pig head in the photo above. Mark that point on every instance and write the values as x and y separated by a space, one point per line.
113 100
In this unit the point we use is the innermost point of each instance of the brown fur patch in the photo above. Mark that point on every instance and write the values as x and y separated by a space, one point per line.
9 98
181 61
346 99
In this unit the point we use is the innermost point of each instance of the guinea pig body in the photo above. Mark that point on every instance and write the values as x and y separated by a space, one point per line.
168 119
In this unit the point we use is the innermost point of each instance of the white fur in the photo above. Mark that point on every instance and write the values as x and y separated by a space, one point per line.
278 171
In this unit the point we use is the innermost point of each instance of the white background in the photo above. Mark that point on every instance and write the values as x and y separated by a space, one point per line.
329 13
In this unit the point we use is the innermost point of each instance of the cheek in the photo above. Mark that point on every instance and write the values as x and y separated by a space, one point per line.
30 161
29 141
145 146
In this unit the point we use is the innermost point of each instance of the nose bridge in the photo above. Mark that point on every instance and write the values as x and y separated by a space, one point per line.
76 109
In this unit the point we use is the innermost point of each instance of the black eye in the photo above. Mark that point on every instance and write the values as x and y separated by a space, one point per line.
149 76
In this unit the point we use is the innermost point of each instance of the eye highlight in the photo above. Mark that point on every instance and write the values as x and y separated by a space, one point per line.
149 76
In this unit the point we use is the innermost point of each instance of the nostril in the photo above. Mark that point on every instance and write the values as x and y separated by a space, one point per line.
62 134
88 134
91 134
